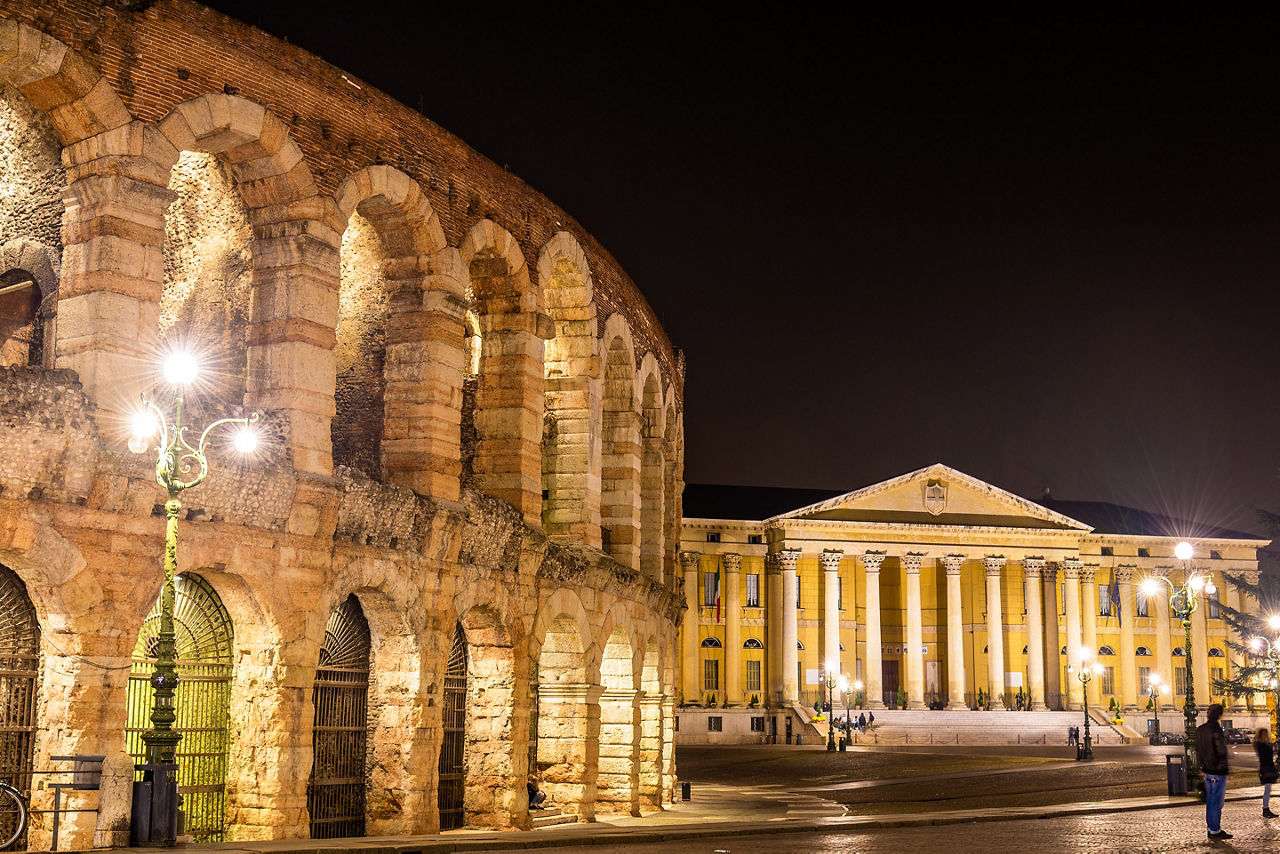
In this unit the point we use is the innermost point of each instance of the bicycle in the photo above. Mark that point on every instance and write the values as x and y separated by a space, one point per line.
13 814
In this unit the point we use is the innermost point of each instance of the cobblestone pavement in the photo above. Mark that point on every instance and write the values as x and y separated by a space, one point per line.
1178 829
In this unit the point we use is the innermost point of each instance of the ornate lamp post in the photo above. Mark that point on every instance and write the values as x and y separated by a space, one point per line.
831 688
1153 691
1270 649
179 466
1183 602
1085 674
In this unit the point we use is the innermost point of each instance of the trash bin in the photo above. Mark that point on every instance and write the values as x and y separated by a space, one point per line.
844 743
686 791
1079 752
1177 774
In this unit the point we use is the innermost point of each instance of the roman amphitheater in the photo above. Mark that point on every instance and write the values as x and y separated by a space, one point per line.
451 565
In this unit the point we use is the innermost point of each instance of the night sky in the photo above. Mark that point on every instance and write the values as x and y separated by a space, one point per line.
1043 253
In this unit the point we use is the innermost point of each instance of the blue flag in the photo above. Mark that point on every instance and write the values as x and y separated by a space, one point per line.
1115 598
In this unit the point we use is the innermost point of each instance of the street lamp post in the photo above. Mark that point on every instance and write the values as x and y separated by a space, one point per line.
179 466
1085 674
1183 602
831 687
1270 649
1153 691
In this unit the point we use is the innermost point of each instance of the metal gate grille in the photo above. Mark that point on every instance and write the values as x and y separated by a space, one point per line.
204 638
19 661
452 745
336 790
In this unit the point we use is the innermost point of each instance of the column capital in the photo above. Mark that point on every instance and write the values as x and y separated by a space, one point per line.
689 560
1088 571
994 564
732 561
911 562
1071 567
952 563
831 559
1124 573
1252 575
1033 567
872 560
787 559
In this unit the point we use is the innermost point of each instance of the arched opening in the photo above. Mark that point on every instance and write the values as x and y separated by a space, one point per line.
20 660
204 304
652 480
203 648
672 487
360 350
570 448
617 783
453 740
620 467
336 790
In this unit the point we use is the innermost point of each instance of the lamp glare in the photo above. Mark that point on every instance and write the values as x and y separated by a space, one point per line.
1274 622
246 440
1183 550
181 368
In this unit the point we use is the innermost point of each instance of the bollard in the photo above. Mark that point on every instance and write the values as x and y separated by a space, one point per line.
686 791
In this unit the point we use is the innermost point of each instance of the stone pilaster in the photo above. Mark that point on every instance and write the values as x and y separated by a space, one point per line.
955 633
1074 625
1033 569
773 625
689 664
915 632
1200 650
1158 604
731 599
569 745
874 675
995 633
1089 611
830 559
617 774
1128 656
787 560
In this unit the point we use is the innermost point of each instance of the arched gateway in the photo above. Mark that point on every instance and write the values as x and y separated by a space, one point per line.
454 714
19 657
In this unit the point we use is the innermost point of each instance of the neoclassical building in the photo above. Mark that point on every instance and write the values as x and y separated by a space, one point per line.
933 586
451 565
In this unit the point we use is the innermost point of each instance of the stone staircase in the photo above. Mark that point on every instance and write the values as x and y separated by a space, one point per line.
900 726
550 817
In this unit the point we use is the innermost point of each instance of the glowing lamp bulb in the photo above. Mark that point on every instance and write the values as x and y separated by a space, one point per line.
1155 680
1150 587
1197 583
181 368
1183 550
1097 668
142 426
246 441
844 684
1256 646
1274 622
1210 588
857 686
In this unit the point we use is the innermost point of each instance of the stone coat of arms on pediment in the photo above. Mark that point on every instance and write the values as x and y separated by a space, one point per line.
935 497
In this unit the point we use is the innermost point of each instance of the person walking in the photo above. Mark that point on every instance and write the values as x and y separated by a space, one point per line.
862 722
1211 753
1266 751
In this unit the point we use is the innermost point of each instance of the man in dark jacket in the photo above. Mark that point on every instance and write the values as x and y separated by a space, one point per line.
1211 753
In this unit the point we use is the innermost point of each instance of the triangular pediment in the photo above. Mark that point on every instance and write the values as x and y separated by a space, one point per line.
936 495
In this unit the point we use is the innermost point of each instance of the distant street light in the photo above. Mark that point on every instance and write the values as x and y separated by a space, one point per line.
831 685
1183 602
1153 690
1270 649
1085 674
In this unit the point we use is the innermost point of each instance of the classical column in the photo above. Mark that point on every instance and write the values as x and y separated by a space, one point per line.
1200 651
955 634
1129 686
790 657
873 674
1071 577
915 632
732 628
1159 601
830 559
689 631
1089 610
773 625
995 634
1033 569
1052 642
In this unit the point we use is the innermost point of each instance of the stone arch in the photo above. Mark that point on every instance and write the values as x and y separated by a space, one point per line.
399 336
672 484
567 726
507 458
571 430
20 688
295 260
652 470
28 302
620 431
58 81
617 783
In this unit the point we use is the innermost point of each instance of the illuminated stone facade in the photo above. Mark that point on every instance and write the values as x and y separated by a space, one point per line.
465 399
902 586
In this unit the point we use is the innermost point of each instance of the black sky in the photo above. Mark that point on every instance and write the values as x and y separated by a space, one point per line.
1042 252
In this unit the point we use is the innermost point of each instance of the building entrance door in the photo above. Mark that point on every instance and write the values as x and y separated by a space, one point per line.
452 745
889 675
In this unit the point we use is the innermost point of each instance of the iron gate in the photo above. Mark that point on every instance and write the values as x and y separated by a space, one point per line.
336 790
19 660
203 638
452 745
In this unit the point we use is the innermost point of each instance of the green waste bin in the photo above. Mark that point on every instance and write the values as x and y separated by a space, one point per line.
1176 771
